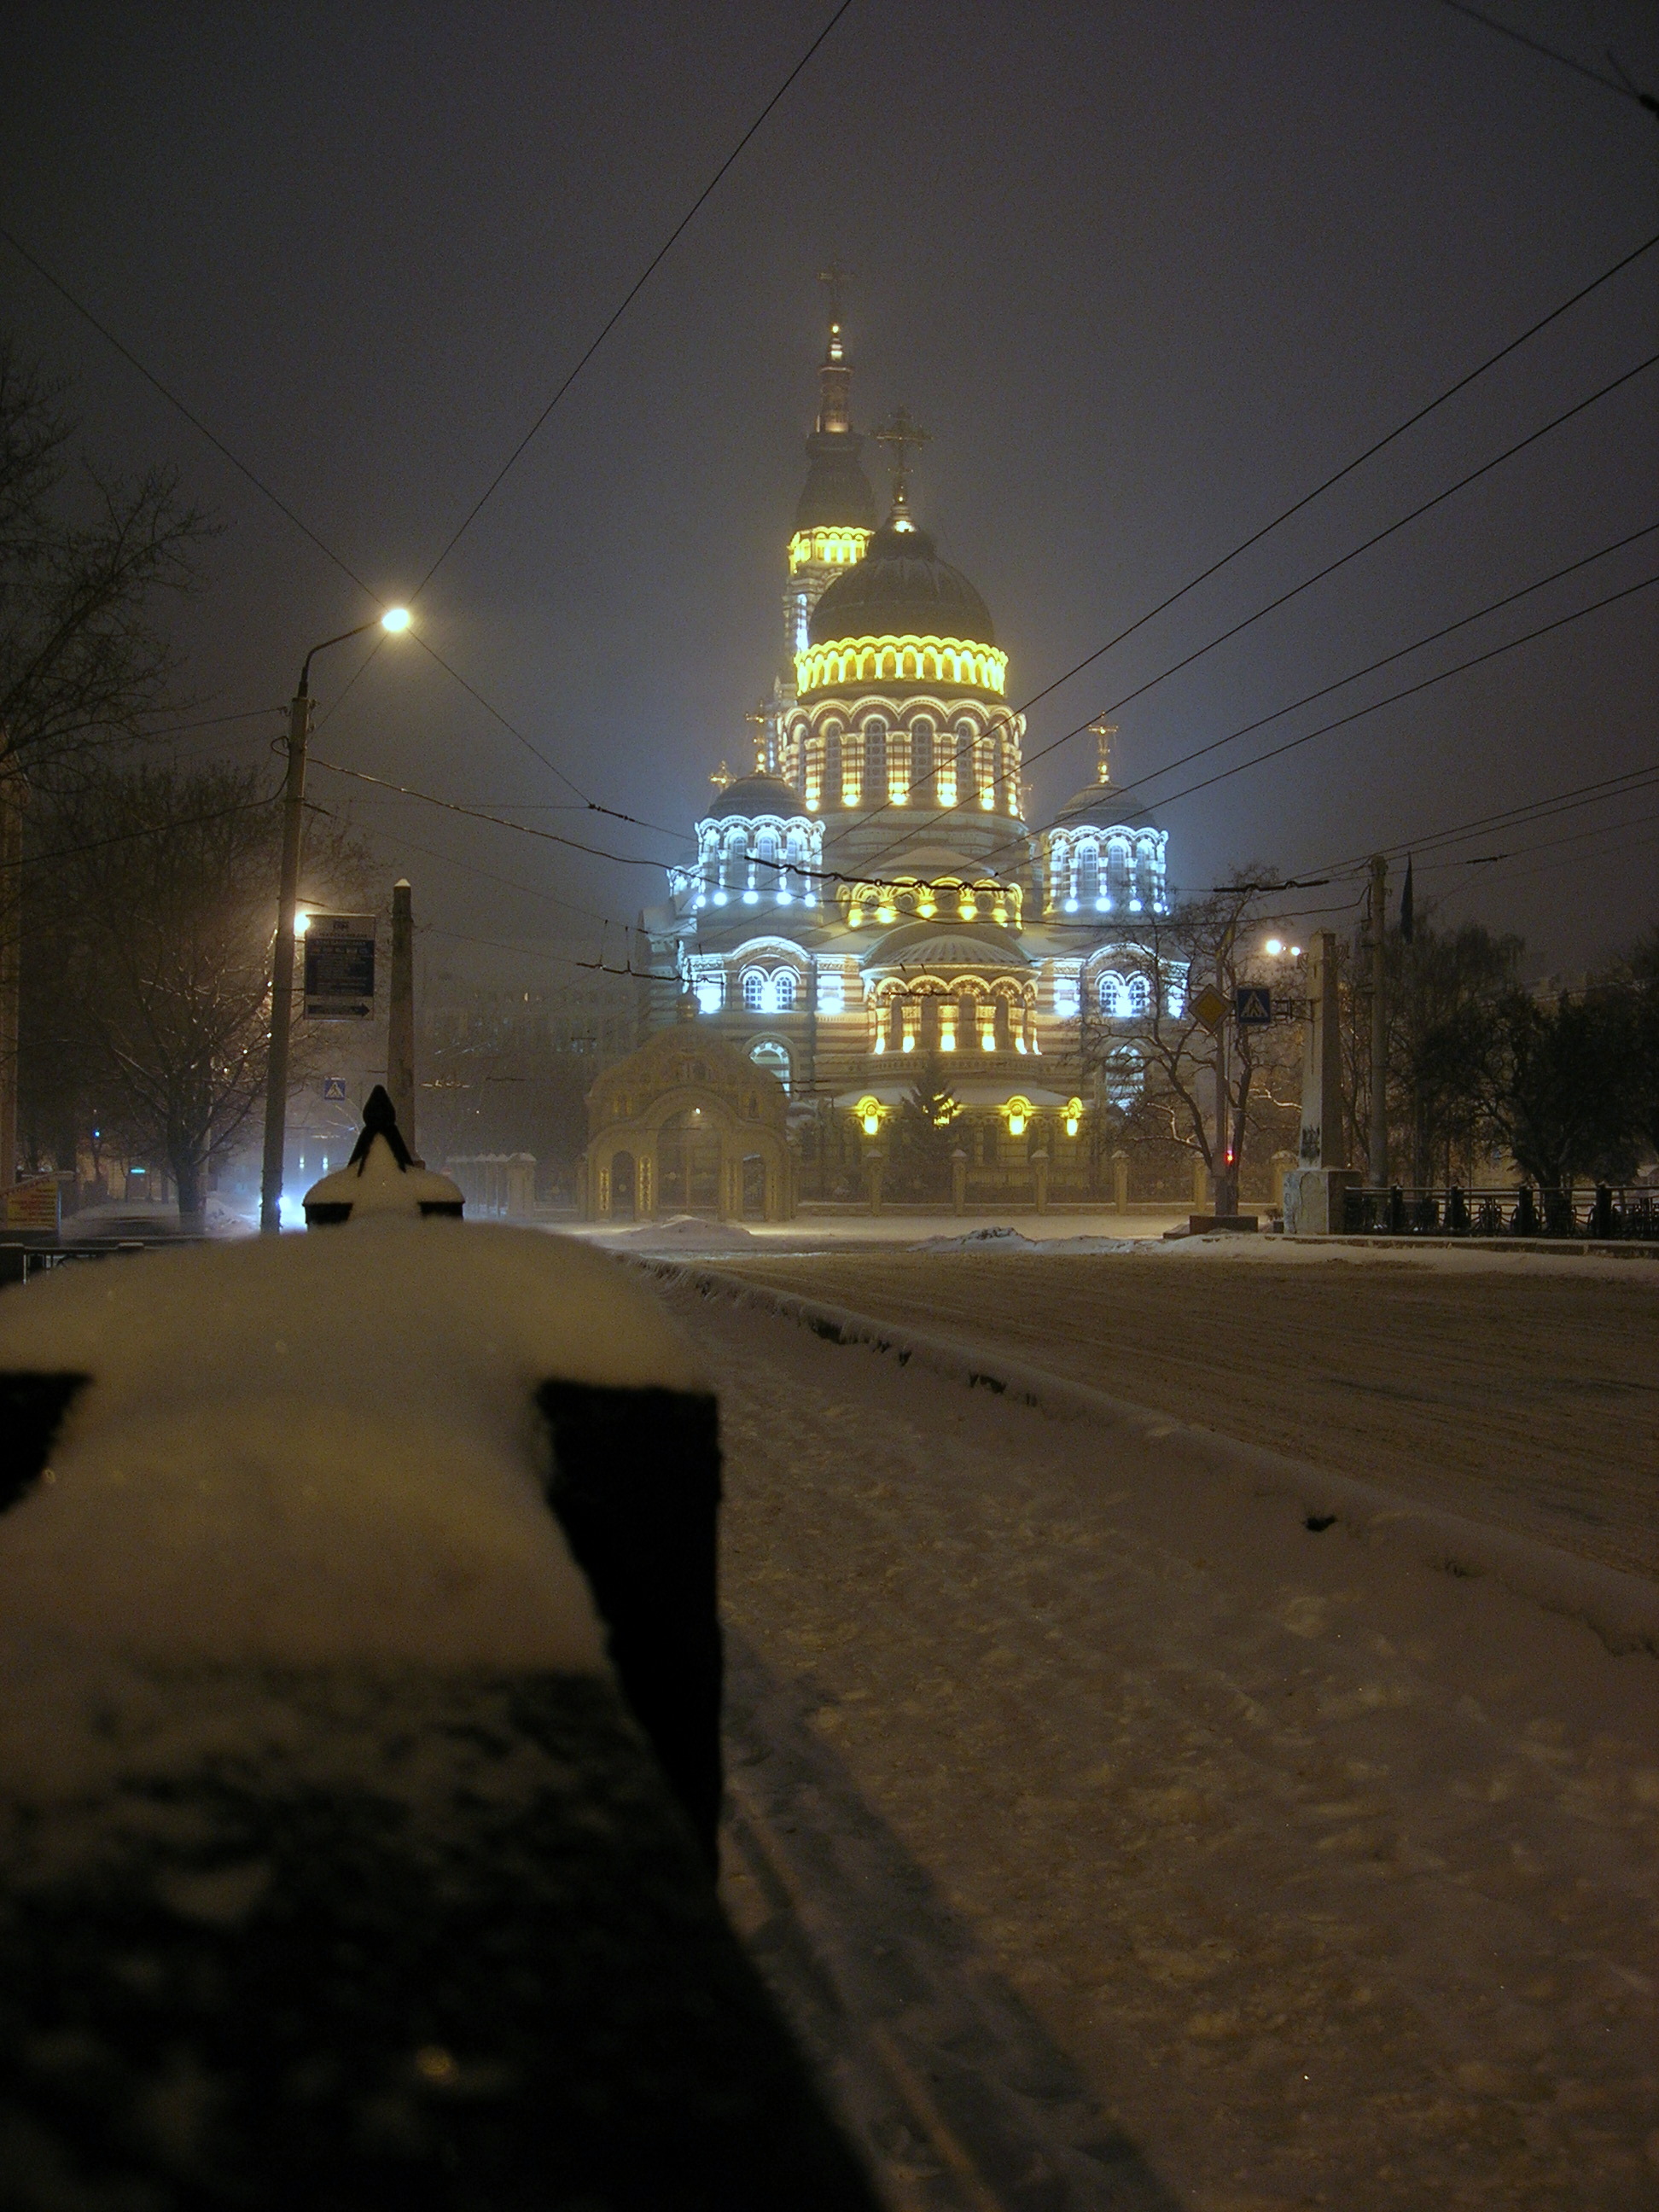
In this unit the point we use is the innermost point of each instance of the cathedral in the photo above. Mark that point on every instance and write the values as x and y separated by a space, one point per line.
870 919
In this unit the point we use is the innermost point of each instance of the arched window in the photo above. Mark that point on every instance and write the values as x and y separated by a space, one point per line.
783 989
768 1052
754 989
832 769
1117 871
1137 997
921 755
1088 872
812 778
1114 1000
967 784
875 761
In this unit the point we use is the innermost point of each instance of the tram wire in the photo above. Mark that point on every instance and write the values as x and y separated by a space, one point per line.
1006 720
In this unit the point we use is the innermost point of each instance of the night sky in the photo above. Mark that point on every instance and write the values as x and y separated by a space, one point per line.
1146 272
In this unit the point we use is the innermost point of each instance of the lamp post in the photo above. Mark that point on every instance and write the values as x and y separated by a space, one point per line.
288 893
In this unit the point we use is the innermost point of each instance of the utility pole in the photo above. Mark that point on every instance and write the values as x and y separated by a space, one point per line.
287 898
281 967
400 1035
14 793
1377 1164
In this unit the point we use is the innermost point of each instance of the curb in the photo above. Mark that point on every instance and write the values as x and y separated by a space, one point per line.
1622 1609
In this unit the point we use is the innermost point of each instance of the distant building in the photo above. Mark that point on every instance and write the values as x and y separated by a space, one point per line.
504 1063
870 917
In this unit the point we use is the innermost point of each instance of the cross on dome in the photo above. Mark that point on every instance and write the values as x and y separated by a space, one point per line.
833 278
902 436
1103 733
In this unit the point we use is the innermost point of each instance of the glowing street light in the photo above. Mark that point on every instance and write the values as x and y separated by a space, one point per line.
290 925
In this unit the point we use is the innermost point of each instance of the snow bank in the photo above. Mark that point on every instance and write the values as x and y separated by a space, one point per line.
312 1451
688 1232
978 1240
1012 1240
1622 1609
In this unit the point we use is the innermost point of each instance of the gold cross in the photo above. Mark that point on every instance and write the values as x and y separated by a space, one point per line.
902 436
1103 733
834 278
758 717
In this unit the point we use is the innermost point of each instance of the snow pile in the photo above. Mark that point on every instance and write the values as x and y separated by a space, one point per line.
1012 1240
978 1240
310 1451
688 1232
222 1220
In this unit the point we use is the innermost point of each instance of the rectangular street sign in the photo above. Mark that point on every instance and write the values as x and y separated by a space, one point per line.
32 1205
340 967
1253 1005
334 1086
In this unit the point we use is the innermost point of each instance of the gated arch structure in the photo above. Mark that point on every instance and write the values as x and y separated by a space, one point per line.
688 1124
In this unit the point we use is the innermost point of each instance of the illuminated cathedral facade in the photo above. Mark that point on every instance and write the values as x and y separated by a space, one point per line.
869 916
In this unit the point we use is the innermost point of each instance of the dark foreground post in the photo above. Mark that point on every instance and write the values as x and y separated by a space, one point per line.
356 1810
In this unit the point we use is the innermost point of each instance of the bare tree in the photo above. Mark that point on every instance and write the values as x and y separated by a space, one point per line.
1158 1063
84 558
157 997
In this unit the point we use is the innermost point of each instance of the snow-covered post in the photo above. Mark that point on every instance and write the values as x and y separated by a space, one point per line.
1040 1180
958 1180
874 1167
311 1705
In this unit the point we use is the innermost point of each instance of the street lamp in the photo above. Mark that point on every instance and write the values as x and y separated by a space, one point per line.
288 894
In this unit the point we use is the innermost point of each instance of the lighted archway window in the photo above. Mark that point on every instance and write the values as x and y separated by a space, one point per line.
783 989
754 989
1138 994
1088 872
774 1057
875 759
1113 998
967 784
921 754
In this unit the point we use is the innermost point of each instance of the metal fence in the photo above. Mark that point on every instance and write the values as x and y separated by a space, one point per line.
1603 1211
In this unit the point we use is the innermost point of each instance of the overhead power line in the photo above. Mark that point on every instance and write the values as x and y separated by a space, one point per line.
1244 545
1401 653
478 814
1620 84
627 301
1319 576
1578 795
1409 691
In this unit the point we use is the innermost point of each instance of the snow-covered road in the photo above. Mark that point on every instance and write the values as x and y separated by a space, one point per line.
1330 1876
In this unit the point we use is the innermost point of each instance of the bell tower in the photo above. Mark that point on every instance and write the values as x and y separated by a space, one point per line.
836 514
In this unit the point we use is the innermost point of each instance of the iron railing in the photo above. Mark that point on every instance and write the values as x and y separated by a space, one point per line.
1604 1213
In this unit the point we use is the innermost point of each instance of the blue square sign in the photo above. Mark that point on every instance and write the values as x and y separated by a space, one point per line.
334 1086
1253 1005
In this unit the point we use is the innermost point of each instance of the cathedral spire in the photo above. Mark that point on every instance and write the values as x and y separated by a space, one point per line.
834 377
902 436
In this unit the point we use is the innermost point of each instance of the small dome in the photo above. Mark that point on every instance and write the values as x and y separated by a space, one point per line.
759 793
943 949
1097 805
902 588
836 494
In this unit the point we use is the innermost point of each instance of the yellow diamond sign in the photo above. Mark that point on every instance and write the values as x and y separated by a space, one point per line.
1208 1008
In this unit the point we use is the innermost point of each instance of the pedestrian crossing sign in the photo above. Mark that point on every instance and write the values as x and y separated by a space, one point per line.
1253 1005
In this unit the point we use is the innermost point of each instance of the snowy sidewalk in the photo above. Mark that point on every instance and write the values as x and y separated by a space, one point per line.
1329 1877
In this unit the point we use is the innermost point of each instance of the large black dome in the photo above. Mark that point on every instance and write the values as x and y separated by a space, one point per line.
902 589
